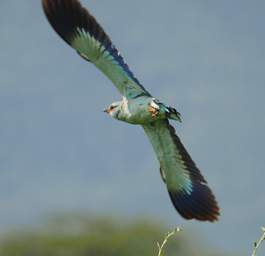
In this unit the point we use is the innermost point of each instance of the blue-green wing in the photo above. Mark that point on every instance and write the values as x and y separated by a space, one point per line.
81 31
187 188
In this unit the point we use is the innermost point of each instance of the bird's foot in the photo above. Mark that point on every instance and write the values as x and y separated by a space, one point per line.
154 111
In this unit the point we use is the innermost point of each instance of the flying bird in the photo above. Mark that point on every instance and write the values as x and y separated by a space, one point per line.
187 188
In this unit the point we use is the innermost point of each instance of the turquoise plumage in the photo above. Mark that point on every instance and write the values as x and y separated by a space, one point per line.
187 188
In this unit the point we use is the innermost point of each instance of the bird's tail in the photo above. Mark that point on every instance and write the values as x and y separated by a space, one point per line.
173 114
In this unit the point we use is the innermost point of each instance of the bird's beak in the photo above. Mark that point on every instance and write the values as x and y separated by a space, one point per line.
106 110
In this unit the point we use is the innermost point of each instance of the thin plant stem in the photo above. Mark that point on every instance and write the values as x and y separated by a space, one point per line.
168 235
258 243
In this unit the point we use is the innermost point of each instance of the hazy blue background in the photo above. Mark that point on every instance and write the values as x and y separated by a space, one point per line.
59 152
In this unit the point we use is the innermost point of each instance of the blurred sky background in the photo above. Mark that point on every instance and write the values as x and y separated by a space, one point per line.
60 152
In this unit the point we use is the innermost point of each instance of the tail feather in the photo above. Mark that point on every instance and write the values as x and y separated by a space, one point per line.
173 114
199 204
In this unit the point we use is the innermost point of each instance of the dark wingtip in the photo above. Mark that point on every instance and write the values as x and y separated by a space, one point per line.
200 204
65 16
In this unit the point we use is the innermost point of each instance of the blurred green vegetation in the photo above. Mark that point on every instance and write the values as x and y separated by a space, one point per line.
94 236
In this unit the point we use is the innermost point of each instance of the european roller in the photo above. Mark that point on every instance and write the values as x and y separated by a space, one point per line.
187 188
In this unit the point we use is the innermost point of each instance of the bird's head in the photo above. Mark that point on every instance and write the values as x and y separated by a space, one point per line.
113 109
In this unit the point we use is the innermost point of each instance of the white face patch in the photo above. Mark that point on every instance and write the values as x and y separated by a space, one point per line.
111 113
113 108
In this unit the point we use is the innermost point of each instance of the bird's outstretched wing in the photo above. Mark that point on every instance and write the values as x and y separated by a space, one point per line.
81 31
187 188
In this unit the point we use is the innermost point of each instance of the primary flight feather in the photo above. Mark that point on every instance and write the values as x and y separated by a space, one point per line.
188 190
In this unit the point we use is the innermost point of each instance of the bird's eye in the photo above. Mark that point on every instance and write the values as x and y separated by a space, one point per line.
111 107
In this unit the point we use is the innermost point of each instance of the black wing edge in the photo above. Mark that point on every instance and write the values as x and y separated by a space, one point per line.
65 16
200 203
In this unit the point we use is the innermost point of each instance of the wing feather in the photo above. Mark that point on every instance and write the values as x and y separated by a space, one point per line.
81 31
188 190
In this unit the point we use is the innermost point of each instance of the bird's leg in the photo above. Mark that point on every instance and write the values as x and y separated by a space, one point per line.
154 112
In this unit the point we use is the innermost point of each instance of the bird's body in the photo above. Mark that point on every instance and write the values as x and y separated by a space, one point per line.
141 110
188 190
